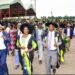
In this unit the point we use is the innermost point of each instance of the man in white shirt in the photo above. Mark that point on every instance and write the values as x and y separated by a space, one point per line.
69 32
4 39
51 40
39 32
51 45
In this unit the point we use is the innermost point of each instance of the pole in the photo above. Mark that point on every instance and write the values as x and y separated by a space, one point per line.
0 14
35 7
52 15
9 12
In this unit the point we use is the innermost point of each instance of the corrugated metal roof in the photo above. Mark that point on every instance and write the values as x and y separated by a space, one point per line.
27 5
2 2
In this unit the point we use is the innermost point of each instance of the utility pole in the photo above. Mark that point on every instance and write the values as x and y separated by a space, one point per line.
51 16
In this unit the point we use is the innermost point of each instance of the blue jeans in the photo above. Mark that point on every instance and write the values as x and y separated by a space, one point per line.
3 64
16 57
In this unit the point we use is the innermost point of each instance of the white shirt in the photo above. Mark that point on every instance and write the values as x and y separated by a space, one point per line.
74 31
51 40
39 33
19 32
2 45
68 31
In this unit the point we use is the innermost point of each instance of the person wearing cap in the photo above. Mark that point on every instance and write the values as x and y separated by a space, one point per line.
51 43
27 44
4 40
69 32
62 47
39 33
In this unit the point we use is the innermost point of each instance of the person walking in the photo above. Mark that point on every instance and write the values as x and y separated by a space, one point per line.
4 40
51 43
69 32
39 33
62 47
27 44
12 34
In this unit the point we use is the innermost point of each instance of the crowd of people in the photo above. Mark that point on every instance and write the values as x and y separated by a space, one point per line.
24 38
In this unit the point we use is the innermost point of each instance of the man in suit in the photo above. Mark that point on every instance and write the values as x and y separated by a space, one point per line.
69 32
51 44
39 32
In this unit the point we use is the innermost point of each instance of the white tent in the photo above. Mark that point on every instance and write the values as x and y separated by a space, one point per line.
27 5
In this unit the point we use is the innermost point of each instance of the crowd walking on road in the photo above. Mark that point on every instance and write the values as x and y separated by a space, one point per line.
22 39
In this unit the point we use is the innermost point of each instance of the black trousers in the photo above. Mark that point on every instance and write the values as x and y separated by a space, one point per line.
20 59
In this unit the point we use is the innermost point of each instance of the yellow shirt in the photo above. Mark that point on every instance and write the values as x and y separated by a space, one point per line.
24 42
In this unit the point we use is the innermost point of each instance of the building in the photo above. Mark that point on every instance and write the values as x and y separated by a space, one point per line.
16 8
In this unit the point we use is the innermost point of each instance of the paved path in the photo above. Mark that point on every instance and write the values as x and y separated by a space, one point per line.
67 68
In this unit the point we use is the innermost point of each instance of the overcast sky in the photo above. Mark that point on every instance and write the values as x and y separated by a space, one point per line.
58 7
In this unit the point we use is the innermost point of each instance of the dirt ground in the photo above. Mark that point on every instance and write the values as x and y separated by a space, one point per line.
68 67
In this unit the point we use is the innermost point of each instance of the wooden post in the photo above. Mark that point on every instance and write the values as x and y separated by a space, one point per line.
25 12
9 12
0 14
